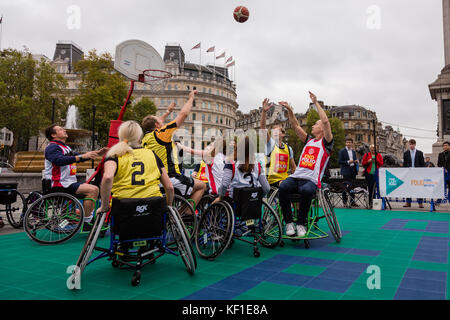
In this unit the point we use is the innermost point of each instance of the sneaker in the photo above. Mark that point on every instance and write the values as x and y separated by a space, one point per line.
301 231
290 231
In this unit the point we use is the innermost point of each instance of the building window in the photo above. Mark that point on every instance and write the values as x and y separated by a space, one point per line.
194 116
359 137
169 87
203 105
209 118
345 115
209 105
204 90
358 114
209 90
345 125
203 117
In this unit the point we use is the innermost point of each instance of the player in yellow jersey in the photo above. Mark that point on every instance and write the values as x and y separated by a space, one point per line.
280 155
158 138
131 171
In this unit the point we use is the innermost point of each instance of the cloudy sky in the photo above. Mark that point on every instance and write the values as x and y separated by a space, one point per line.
381 54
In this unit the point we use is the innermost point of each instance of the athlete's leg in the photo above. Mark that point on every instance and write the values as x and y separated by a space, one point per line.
88 191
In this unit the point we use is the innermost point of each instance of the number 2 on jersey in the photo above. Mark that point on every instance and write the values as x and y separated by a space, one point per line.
136 174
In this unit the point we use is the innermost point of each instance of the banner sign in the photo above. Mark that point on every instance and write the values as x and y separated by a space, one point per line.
427 183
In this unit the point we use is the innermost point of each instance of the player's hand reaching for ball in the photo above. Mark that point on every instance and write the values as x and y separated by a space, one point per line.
266 105
313 97
192 94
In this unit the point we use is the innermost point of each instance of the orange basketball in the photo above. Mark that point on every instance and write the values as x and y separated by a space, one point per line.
241 14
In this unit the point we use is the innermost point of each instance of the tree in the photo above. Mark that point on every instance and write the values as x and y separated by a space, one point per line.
338 136
101 86
141 109
27 88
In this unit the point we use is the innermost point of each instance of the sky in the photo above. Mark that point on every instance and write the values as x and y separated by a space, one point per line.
380 54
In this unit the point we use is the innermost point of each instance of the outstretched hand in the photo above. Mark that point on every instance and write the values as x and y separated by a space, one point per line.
286 105
192 94
171 107
313 97
266 105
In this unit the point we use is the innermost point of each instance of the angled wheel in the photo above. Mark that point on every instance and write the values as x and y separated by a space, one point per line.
330 216
214 231
88 247
273 200
187 214
54 218
269 228
204 203
16 210
184 246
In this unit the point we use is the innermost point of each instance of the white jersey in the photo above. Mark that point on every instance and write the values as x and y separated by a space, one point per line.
61 176
214 172
312 162
244 180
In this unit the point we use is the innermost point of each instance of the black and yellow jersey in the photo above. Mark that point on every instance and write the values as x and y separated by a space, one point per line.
160 141
137 175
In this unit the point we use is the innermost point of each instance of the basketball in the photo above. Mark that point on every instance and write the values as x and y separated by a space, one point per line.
241 14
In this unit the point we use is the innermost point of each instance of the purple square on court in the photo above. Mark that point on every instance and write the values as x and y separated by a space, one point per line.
432 226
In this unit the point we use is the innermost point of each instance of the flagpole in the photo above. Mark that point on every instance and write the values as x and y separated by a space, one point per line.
200 55
1 32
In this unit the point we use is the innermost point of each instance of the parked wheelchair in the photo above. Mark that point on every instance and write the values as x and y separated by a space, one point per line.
138 237
247 217
13 204
320 204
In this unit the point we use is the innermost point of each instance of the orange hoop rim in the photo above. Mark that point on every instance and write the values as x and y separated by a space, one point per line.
143 77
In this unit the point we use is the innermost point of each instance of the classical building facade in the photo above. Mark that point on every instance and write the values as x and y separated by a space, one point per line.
215 105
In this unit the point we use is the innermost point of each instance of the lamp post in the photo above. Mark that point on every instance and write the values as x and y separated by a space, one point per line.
93 131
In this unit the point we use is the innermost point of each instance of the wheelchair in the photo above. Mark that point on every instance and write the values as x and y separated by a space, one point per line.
14 204
138 238
247 216
313 231
56 217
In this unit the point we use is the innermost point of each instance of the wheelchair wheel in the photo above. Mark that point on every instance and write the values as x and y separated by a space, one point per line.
183 243
330 216
273 200
204 203
16 210
214 230
54 218
187 214
269 228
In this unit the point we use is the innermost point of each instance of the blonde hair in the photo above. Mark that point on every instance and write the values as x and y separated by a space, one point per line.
130 135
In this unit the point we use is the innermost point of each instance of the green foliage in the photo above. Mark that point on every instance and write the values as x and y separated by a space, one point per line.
101 86
141 109
27 88
337 129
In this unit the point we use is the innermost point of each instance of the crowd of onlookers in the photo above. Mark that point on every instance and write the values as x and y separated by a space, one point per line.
371 161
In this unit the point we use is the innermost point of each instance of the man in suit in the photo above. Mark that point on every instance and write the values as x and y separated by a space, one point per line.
444 161
349 168
413 158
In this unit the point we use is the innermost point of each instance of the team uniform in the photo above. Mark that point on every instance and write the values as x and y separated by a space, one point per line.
278 161
60 167
214 172
306 178
234 178
137 175
160 141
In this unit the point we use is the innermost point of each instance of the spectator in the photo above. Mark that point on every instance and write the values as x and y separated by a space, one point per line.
370 170
428 163
413 158
444 162
349 169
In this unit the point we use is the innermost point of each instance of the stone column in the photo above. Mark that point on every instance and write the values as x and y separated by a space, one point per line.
446 9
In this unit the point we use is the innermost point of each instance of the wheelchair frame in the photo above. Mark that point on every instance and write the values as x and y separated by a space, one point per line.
159 245
9 197
312 229
218 222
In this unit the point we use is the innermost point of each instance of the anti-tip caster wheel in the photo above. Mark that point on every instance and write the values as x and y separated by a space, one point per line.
307 245
256 253
136 279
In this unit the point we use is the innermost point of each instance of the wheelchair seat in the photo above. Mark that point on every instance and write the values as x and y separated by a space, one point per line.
138 218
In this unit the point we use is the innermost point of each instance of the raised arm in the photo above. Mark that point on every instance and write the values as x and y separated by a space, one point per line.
170 109
201 153
323 117
186 109
265 107
294 122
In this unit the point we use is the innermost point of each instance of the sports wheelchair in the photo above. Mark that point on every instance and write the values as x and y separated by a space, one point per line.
56 216
14 204
320 201
247 215
139 233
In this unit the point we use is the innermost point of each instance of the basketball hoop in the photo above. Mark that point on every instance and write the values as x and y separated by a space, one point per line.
155 79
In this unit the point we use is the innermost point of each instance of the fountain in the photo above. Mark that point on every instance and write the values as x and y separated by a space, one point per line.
79 140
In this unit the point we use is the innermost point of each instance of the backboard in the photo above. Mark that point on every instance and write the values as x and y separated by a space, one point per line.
134 56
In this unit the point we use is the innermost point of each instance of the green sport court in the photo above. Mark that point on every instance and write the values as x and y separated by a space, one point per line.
383 255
